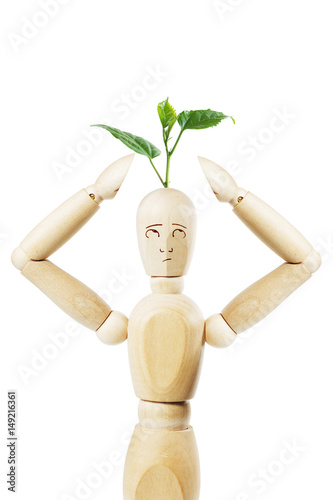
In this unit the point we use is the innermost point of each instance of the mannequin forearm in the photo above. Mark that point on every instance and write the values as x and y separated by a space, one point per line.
66 220
273 229
58 227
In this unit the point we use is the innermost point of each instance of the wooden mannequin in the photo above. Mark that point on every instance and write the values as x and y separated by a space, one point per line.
166 331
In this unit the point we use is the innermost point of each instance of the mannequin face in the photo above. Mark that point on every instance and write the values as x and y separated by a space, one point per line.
166 225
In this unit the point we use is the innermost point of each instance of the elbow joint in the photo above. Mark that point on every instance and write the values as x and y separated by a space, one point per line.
19 258
312 261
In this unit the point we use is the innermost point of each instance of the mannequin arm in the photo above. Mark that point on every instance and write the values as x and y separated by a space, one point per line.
72 296
258 300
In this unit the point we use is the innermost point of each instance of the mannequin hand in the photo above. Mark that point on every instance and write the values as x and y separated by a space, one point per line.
108 183
221 182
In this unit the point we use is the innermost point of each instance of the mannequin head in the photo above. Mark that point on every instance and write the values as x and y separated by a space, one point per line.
166 226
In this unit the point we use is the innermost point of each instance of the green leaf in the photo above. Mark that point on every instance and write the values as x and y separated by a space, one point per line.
134 142
167 114
200 119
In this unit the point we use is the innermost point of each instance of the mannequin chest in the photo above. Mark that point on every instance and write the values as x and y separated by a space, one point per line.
165 343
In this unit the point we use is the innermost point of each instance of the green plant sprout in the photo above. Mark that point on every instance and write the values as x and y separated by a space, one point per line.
187 120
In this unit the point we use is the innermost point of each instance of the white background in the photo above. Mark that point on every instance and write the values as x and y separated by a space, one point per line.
273 386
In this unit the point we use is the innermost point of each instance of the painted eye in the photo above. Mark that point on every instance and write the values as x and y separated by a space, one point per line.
152 233
179 233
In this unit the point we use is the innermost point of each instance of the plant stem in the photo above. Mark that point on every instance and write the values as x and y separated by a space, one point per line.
178 138
169 154
160 178
168 159
167 170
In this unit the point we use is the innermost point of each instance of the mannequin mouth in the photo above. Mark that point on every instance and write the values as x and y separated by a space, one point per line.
166 260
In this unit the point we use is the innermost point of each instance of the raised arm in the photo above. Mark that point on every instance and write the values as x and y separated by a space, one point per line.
259 299
72 296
